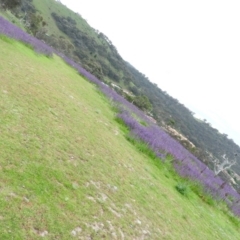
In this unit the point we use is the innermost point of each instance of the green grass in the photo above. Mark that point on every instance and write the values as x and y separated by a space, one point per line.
66 164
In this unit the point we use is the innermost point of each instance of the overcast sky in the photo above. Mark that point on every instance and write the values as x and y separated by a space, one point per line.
191 49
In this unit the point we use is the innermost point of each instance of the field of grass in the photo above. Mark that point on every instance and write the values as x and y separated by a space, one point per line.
68 171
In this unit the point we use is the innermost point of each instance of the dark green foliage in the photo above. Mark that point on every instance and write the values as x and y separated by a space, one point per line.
112 74
36 23
93 67
171 122
130 98
68 26
134 90
27 6
182 188
142 102
85 47
89 50
10 4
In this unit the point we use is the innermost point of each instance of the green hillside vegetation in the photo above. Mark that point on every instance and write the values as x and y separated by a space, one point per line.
69 172
68 31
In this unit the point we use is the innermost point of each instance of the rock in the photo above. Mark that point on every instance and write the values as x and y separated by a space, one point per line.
138 222
43 234
76 231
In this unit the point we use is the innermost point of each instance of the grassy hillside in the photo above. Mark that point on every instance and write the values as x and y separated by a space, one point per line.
68 172
46 7
70 34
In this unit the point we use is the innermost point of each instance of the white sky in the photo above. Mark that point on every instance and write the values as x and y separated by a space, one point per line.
191 49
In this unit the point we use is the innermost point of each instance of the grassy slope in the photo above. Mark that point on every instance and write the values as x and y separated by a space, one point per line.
65 163
46 7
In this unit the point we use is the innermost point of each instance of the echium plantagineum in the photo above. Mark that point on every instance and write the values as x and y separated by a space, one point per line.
12 31
185 163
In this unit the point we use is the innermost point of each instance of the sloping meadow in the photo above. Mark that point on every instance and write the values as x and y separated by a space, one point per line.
185 163
163 146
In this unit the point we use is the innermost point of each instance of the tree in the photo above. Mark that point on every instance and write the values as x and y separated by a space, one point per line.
134 90
10 4
35 23
142 102
224 165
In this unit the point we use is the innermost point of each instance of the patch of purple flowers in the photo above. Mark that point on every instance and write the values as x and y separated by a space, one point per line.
12 31
185 163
